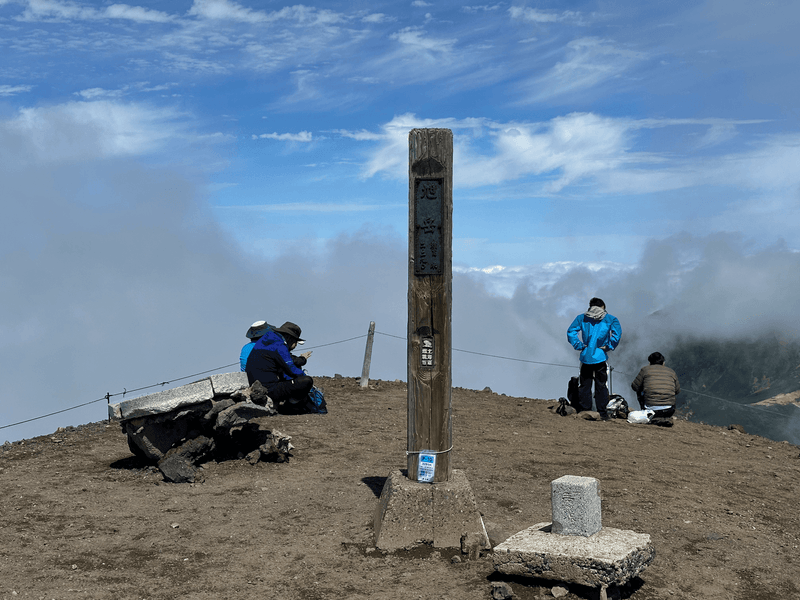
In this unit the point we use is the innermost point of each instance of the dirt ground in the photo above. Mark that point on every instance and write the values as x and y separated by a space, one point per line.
82 518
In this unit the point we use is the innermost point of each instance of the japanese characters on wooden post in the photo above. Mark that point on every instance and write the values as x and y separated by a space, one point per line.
430 290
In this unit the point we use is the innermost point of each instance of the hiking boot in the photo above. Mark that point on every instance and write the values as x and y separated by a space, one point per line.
605 418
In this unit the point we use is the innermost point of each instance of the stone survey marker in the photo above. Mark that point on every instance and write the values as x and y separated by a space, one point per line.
215 417
583 552
576 505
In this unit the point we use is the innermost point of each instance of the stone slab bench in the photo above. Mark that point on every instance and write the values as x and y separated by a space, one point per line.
223 384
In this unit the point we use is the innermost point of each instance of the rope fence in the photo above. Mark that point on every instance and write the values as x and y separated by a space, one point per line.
126 391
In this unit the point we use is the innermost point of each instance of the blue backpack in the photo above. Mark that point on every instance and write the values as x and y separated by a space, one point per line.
316 402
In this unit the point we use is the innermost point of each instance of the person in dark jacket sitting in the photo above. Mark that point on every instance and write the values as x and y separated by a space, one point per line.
656 386
272 363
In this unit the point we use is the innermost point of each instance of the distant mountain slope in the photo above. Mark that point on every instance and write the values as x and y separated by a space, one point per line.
755 383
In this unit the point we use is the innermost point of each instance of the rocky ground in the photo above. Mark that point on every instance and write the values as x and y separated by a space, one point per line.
82 518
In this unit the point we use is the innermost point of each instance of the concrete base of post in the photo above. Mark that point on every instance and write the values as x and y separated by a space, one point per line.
609 557
442 514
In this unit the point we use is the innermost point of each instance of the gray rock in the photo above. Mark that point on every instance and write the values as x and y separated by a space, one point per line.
501 591
179 464
225 384
471 544
178 470
276 448
240 414
217 406
559 592
258 395
497 535
241 395
589 415
157 434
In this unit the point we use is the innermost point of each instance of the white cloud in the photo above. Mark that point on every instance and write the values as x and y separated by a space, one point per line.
94 93
362 135
50 9
137 13
574 146
378 18
391 157
589 62
186 62
416 40
303 136
86 130
482 8
232 11
585 148
534 15
12 90
225 10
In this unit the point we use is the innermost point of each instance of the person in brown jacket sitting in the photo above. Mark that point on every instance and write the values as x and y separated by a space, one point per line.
656 386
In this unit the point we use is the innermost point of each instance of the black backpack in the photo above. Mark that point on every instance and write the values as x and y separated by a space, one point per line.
572 393
569 405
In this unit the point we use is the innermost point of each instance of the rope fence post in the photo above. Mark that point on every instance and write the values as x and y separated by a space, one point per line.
367 355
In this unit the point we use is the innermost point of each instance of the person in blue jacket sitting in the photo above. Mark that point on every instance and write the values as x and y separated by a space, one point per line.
594 333
272 363
255 332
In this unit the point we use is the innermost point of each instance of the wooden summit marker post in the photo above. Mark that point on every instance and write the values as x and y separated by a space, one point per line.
433 504
430 294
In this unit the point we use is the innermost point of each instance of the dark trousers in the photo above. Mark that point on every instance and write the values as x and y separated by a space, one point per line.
294 392
598 375
664 413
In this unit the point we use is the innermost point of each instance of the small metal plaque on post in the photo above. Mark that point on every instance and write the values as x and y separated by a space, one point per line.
426 353
427 467
428 227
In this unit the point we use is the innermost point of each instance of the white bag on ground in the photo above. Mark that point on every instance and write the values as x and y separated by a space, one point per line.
640 416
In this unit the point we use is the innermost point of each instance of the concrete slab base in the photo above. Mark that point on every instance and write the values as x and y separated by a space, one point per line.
611 556
443 514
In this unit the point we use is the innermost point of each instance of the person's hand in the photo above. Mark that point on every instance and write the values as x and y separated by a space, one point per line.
306 354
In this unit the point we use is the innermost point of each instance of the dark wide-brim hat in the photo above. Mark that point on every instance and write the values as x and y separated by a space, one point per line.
291 330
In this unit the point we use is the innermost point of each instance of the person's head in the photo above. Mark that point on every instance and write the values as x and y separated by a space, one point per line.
257 329
597 302
656 358
291 333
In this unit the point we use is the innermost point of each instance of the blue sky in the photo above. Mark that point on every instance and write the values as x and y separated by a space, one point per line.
147 146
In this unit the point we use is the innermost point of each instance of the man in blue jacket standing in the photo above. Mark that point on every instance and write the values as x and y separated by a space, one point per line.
594 333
